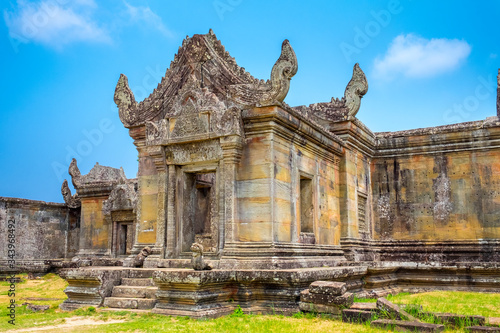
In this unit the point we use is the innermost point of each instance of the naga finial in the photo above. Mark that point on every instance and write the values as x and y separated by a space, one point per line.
75 173
355 90
276 88
72 201
125 100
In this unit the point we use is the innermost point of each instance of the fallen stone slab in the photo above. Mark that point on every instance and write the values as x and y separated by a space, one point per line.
479 329
393 310
35 307
345 300
407 326
320 308
328 288
364 306
456 319
357 316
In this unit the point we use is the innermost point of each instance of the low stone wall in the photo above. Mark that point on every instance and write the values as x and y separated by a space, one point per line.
41 230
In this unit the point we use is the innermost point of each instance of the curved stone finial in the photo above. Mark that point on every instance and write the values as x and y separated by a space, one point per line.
274 90
355 90
283 70
72 201
125 100
75 173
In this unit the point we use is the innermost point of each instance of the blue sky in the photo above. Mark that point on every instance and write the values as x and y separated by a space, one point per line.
428 63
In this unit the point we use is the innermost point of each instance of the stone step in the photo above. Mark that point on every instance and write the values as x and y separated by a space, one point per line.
134 291
141 273
139 282
129 303
364 306
406 326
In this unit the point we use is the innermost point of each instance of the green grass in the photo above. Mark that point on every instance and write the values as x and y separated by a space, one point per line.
51 286
459 302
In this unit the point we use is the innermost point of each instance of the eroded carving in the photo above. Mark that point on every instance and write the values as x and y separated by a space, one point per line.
339 109
139 259
193 152
273 91
197 260
72 201
122 197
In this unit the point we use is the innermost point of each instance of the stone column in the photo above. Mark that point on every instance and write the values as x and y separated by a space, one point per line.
170 229
158 155
232 150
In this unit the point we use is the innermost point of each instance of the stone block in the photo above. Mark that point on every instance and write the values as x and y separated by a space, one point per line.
394 310
480 329
134 291
406 326
345 300
320 308
357 316
364 306
140 282
328 288
129 303
456 319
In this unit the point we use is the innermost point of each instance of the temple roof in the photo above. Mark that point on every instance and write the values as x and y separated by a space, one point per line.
203 62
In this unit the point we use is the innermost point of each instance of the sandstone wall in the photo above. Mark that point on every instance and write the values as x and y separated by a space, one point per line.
43 230
439 184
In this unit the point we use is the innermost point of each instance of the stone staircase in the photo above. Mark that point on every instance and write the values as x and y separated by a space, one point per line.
133 293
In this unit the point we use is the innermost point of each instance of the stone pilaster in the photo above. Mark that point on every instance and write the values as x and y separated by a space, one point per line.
232 150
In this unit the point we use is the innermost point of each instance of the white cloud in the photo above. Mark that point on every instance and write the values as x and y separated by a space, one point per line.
147 16
55 23
417 57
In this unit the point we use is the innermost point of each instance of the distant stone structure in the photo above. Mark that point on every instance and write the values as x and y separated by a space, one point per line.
278 196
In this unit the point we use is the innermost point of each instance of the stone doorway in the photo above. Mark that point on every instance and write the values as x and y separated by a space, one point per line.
123 238
199 213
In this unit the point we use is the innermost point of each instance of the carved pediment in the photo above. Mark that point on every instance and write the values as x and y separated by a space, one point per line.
122 197
202 66
98 175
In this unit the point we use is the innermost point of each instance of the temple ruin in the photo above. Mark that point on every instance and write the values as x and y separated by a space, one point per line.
274 197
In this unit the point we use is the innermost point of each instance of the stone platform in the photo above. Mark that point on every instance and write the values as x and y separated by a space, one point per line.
199 294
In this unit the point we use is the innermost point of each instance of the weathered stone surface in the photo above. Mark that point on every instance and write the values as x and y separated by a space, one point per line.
479 329
129 303
364 306
393 310
137 282
320 308
344 300
328 288
357 316
134 291
407 326
36 307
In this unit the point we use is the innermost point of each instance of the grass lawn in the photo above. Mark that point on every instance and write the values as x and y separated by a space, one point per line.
51 286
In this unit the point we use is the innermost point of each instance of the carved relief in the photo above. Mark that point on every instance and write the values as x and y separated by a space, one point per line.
156 132
72 201
122 197
193 152
202 66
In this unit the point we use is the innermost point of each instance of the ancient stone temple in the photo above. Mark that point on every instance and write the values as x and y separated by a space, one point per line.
262 198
